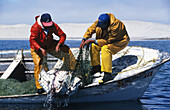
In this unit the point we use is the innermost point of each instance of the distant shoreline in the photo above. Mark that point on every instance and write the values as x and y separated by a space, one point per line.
78 38
157 39
137 31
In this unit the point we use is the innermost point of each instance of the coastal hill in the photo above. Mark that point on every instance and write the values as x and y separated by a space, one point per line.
137 30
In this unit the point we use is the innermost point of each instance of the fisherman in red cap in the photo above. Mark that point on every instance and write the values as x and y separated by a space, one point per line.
42 42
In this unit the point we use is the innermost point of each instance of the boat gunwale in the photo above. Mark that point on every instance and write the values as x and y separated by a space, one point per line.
23 95
109 82
112 81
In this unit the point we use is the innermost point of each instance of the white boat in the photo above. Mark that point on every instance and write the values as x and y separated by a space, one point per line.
134 69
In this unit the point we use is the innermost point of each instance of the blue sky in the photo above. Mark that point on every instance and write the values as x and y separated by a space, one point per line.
84 11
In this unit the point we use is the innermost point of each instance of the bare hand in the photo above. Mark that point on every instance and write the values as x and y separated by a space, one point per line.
57 49
88 42
82 44
43 51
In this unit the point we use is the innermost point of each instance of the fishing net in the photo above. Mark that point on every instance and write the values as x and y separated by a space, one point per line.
83 66
14 87
66 84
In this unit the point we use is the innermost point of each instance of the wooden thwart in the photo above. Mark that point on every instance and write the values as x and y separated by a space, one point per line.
16 69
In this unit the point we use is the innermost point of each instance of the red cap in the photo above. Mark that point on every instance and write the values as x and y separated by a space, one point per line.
46 20
47 24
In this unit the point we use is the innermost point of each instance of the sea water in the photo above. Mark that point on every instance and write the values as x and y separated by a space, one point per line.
156 97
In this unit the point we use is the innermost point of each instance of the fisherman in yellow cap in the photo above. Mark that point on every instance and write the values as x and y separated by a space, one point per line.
111 37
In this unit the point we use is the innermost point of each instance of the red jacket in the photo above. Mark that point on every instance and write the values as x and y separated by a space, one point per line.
38 38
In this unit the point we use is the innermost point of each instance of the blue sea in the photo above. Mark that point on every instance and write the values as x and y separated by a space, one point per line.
156 97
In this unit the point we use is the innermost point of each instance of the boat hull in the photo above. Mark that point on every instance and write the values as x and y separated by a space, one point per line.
131 88
124 88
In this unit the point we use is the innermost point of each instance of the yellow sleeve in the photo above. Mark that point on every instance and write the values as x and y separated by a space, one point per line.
102 42
91 30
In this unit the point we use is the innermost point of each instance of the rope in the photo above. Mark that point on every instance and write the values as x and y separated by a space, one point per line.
141 59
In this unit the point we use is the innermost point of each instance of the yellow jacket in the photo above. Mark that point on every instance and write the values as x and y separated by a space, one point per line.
115 37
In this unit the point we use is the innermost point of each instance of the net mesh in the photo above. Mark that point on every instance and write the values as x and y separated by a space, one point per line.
14 87
83 66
